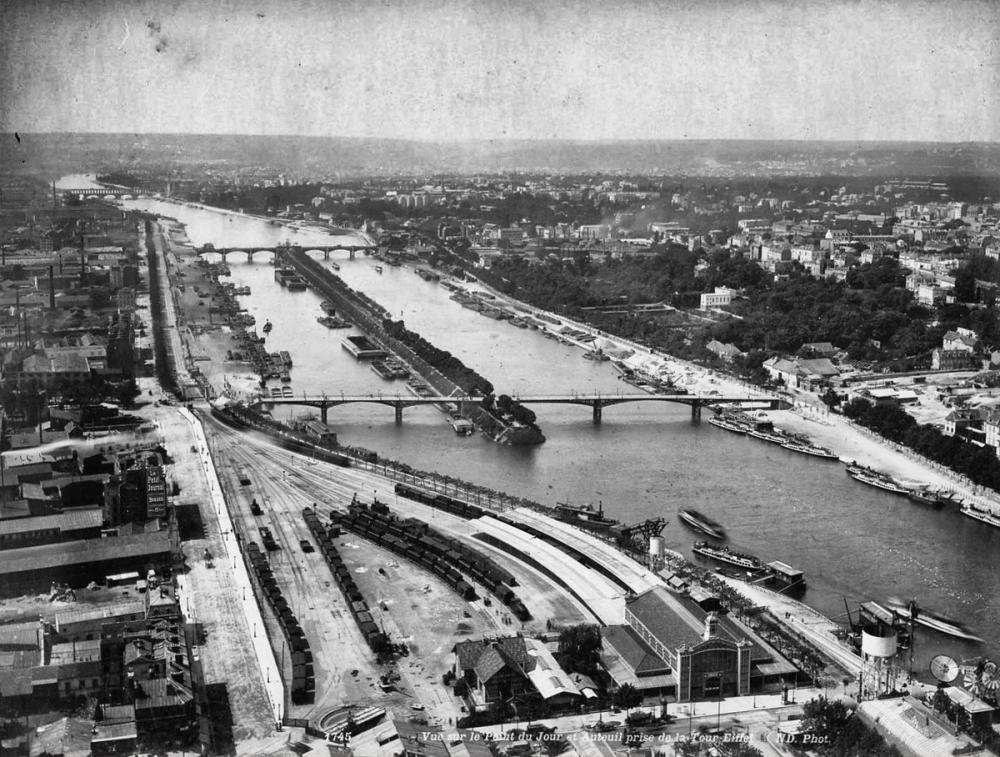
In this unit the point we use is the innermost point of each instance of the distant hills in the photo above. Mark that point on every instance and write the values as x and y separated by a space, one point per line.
333 157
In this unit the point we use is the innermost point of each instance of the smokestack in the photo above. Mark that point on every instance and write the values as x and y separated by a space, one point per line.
83 278
52 288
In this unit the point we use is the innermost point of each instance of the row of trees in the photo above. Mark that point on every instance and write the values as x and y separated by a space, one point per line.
442 360
979 464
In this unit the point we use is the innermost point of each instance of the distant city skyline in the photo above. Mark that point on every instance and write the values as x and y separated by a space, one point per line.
441 70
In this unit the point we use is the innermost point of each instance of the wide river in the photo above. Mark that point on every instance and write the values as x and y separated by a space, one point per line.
853 542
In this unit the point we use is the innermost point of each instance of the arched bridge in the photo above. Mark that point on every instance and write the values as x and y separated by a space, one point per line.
596 401
326 249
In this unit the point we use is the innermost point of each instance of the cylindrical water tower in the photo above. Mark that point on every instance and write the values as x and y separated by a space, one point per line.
879 646
655 552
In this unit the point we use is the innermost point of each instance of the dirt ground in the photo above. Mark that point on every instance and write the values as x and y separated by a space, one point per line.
411 604
207 335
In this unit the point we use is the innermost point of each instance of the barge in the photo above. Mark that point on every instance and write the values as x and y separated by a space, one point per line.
363 348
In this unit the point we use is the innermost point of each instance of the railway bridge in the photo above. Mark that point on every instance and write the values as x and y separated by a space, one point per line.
596 401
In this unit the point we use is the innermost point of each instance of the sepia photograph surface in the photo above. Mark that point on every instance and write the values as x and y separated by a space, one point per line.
491 379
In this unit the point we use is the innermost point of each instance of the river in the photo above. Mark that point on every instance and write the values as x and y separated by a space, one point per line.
644 460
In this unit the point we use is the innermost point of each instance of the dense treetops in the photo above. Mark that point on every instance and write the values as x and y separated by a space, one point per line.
870 315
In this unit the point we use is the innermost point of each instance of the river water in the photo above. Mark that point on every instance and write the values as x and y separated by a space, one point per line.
644 460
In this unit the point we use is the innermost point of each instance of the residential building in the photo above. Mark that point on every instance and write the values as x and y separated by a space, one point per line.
726 351
495 670
721 297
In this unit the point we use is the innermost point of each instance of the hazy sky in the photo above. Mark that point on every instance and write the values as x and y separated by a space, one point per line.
491 69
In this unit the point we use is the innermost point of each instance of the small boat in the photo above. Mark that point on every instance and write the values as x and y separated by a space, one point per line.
378 268
768 436
810 449
878 480
728 424
931 620
701 522
726 555
286 392
335 266
981 515
267 328
925 496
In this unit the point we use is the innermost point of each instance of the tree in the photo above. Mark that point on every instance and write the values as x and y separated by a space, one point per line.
824 719
579 649
628 696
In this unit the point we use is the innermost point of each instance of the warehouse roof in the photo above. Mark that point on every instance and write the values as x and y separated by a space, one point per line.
83 551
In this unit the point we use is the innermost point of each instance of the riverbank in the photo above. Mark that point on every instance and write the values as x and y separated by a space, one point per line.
808 416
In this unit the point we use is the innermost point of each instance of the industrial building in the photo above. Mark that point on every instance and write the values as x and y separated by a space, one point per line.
77 563
671 645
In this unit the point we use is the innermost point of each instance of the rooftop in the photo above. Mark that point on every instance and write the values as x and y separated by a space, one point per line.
71 520
82 551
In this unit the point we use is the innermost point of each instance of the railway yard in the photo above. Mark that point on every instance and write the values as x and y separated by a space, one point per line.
410 604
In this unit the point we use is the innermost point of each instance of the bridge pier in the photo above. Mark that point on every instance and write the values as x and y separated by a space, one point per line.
351 253
597 413
224 256
695 412
249 256
326 254
322 413
399 415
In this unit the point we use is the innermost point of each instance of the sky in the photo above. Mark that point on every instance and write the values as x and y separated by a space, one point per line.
494 69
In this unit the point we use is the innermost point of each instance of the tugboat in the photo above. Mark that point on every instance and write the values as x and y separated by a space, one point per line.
703 523
267 328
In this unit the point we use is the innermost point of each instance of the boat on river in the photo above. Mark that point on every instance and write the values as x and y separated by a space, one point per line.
728 556
810 449
981 515
879 482
728 424
876 479
768 436
267 327
929 619
334 265
924 496
701 522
